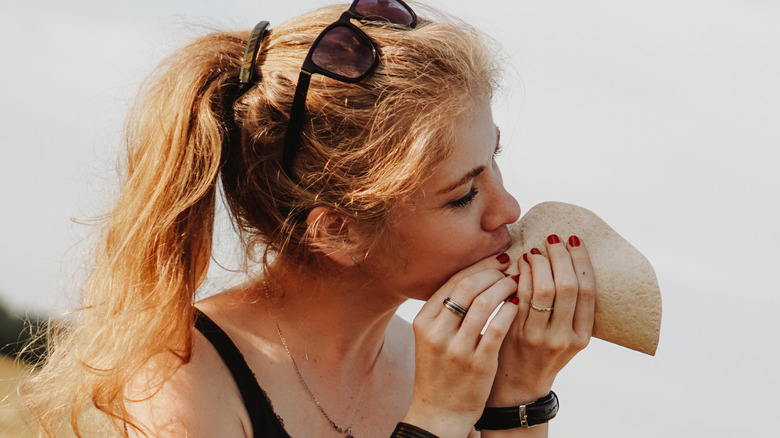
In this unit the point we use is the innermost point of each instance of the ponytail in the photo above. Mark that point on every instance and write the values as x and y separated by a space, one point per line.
155 244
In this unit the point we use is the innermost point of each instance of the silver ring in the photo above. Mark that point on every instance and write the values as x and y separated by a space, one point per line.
454 307
542 309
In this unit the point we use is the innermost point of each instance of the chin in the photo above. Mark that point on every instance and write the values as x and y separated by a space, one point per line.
424 291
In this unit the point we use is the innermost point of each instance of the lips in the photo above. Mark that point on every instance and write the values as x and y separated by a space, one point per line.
502 249
508 241
506 247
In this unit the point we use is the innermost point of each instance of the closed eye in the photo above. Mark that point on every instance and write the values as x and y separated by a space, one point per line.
498 151
466 200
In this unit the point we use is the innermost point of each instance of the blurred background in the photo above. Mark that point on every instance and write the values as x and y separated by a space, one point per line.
662 117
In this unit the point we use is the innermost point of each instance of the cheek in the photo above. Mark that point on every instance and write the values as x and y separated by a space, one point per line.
458 243
439 250
425 252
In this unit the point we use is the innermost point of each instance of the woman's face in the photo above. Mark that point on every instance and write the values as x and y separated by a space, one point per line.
458 217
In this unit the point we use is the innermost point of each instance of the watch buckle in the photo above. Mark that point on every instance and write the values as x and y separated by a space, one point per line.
523 417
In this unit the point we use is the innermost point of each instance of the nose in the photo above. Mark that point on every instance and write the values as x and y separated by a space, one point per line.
502 208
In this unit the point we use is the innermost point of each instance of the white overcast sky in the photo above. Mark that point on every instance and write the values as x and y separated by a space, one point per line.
661 116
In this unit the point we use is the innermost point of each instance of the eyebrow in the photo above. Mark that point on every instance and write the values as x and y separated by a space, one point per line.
472 174
466 178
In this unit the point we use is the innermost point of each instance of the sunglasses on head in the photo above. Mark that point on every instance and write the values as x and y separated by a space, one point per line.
343 52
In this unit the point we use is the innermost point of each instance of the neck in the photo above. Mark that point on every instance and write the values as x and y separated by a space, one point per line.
334 321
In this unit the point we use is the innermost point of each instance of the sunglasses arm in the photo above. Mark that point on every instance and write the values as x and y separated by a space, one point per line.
292 138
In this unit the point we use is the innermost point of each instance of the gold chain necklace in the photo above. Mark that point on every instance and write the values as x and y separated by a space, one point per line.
346 431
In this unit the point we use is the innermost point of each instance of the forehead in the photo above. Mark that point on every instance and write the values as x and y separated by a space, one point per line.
475 141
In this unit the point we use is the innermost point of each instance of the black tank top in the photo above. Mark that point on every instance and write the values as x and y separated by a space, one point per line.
265 422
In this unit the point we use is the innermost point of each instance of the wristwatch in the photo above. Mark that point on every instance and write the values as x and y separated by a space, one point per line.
538 412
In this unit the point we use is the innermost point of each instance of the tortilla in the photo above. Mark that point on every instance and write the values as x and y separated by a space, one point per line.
628 300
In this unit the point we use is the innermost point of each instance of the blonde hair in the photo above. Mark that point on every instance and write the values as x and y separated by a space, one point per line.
364 147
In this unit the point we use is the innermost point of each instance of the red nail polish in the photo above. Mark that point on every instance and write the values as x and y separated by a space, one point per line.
535 251
503 258
525 257
516 278
574 241
552 239
514 299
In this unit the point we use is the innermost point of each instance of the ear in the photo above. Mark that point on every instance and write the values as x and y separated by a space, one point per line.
335 236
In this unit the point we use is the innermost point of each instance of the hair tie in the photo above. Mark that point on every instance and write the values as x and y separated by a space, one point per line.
246 77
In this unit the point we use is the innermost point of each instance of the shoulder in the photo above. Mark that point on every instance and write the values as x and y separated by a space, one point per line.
199 398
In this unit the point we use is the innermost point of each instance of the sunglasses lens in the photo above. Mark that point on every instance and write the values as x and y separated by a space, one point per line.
344 52
385 10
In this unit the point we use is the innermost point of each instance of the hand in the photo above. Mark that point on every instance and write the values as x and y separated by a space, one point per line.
455 365
540 343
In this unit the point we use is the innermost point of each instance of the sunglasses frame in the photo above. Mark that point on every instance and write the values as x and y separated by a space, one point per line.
309 67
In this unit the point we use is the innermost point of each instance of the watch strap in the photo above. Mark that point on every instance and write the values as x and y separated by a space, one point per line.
406 430
524 416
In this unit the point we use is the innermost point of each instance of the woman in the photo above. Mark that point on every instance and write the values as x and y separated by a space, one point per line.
361 180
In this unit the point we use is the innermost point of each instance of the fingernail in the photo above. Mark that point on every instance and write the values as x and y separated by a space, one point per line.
514 299
516 278
535 251
574 241
525 257
503 258
552 239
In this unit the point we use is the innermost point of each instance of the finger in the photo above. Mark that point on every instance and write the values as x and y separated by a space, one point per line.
499 262
586 299
462 293
432 307
482 307
525 290
543 295
496 331
565 280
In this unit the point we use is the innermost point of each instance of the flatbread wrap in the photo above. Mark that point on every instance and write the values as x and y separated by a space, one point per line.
628 300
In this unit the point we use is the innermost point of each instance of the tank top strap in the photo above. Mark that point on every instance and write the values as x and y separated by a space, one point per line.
265 422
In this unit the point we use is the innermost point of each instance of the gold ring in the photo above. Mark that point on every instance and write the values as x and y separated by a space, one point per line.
542 309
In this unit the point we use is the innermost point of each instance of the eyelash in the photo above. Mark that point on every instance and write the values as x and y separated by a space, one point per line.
498 151
466 200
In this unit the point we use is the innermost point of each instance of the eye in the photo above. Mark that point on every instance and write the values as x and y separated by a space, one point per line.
466 200
498 151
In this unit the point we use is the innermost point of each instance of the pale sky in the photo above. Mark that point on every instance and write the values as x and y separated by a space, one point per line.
662 117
